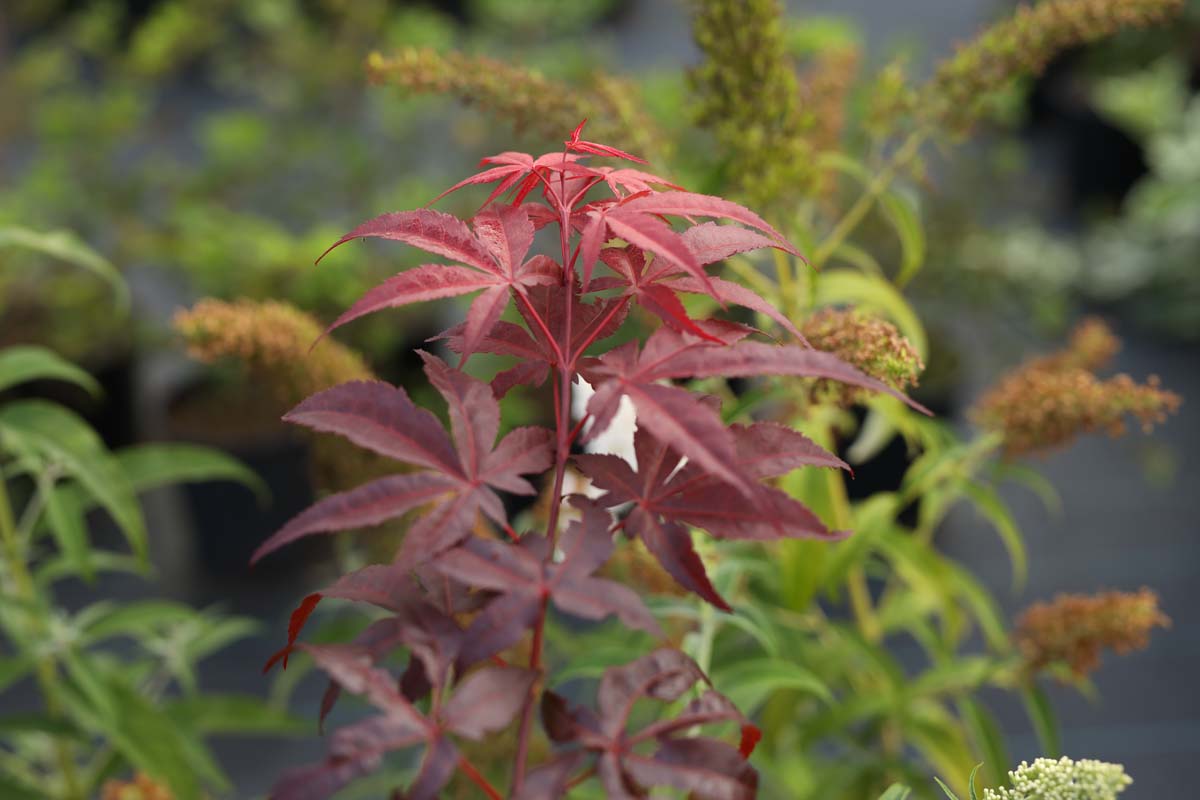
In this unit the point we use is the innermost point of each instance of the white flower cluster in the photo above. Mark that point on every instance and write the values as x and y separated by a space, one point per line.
1064 779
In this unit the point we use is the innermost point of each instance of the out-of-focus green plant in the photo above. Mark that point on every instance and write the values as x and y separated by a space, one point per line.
195 138
116 681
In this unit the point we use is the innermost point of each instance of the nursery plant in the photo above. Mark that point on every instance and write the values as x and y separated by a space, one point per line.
115 682
784 121
614 251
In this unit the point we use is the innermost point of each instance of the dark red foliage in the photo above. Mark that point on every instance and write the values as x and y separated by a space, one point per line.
692 470
709 769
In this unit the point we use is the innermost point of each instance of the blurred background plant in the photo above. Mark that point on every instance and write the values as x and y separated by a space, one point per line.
116 682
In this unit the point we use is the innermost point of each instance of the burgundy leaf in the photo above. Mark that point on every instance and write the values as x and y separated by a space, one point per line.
483 315
578 145
523 451
710 242
437 767
369 504
705 768
353 671
431 231
382 418
549 781
443 526
507 233
689 204
320 781
597 598
296 622
734 294
702 767
671 545
474 413
527 373
499 626
487 701
419 285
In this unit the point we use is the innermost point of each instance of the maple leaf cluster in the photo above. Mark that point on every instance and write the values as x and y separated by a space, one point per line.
456 600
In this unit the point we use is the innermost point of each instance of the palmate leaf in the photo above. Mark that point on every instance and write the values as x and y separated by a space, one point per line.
656 287
524 581
493 255
667 496
677 417
486 701
591 322
461 470
57 435
709 769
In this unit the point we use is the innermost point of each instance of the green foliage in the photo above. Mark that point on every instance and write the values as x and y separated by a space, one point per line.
117 682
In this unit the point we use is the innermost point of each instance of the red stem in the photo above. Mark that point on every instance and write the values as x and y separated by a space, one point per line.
477 778
562 409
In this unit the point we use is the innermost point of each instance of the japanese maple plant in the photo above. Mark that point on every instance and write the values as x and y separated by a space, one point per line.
466 591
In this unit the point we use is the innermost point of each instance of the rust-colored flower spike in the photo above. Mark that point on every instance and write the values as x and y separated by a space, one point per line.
748 93
272 341
1050 400
872 344
142 787
1022 45
532 102
1074 629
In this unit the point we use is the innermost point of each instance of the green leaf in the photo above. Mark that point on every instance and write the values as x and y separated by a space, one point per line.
66 246
901 211
61 436
1045 722
945 788
750 683
37 723
138 619
988 503
897 791
24 363
971 782
64 516
12 789
13 669
989 739
149 466
236 714
58 566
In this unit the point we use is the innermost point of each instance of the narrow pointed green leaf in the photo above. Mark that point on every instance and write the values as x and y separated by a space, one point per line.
149 466
66 246
63 438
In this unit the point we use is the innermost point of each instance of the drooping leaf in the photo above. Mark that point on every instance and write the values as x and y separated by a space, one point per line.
23 363
66 246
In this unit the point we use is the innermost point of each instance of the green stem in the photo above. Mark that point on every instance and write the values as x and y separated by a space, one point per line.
878 185
45 670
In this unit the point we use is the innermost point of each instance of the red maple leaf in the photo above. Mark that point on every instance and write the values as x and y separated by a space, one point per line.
668 495
491 259
705 768
524 579
484 702
460 471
